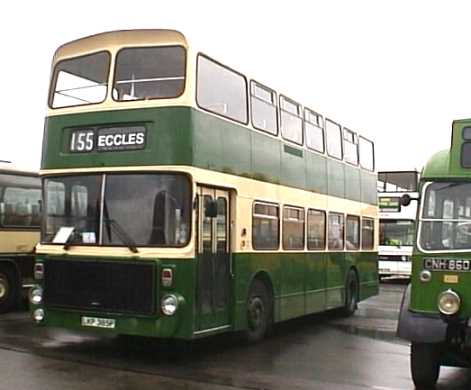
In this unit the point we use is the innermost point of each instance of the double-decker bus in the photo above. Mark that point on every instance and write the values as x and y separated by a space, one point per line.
436 307
183 199
396 222
20 218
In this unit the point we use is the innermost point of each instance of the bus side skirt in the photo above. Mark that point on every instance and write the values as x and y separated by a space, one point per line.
418 328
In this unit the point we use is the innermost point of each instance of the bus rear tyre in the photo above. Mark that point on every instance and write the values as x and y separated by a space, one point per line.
351 294
258 312
425 365
9 287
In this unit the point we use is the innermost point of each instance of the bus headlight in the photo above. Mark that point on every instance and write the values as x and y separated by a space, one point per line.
425 276
169 305
38 315
36 295
449 302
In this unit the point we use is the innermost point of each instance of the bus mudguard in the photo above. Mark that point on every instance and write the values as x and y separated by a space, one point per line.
418 328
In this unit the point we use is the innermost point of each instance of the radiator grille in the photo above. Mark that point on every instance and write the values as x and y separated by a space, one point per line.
100 286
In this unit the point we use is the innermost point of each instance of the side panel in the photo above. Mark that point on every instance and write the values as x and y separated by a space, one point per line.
187 136
301 283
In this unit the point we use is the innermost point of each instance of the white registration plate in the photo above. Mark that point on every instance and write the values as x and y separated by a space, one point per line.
95 322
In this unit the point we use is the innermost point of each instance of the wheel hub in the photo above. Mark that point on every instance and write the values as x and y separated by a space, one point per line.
3 287
255 312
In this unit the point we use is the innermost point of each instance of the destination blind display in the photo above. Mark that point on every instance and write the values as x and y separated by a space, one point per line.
437 264
389 204
109 139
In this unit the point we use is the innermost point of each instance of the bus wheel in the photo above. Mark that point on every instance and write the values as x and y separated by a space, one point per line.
351 294
8 289
425 365
258 312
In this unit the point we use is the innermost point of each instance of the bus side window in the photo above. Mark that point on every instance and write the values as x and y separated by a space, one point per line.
293 228
336 231
264 110
265 226
315 229
353 232
334 139
314 131
221 90
367 154
291 120
367 233
350 146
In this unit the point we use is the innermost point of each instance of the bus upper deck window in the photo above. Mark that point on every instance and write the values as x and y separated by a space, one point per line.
149 73
79 81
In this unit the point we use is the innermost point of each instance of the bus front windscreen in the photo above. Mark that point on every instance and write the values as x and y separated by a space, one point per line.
396 232
131 210
446 217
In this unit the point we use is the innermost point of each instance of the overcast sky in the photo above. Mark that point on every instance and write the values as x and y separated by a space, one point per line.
396 71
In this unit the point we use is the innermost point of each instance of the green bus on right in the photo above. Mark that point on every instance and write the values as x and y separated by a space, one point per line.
436 306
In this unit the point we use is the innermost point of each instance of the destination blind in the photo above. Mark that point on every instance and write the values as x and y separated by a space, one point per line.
109 139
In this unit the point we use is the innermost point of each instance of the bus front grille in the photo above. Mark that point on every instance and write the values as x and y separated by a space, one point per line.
100 286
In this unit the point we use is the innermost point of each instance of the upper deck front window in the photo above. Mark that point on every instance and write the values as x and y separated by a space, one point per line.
80 81
149 73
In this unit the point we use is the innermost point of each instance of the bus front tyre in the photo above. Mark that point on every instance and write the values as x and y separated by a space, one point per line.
351 294
8 289
258 312
425 365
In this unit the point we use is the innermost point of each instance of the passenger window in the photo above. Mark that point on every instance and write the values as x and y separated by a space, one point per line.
315 229
265 226
263 104
221 90
314 130
336 231
291 120
367 154
21 207
293 228
350 146
367 233
334 139
353 233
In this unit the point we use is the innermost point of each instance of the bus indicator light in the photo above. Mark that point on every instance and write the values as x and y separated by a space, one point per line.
39 271
166 277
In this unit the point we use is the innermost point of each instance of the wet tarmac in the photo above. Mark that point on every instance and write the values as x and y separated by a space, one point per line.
317 352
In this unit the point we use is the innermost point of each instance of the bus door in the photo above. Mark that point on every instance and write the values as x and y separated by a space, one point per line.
213 259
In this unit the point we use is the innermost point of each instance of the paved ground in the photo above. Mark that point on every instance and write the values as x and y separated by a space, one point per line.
319 352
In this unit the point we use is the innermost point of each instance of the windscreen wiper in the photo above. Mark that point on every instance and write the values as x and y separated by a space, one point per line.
121 233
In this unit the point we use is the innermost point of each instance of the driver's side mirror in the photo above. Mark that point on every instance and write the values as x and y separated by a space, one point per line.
406 199
211 209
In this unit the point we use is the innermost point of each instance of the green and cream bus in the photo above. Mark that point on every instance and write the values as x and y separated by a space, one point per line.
183 199
20 219
436 307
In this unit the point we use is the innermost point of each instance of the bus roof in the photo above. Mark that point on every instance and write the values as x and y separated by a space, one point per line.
118 39
454 163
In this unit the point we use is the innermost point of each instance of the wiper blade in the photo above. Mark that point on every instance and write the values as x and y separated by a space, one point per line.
121 233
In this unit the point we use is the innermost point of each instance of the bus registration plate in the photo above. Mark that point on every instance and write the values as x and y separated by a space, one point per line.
437 264
95 322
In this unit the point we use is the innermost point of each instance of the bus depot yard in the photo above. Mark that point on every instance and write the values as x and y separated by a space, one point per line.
322 351
171 253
